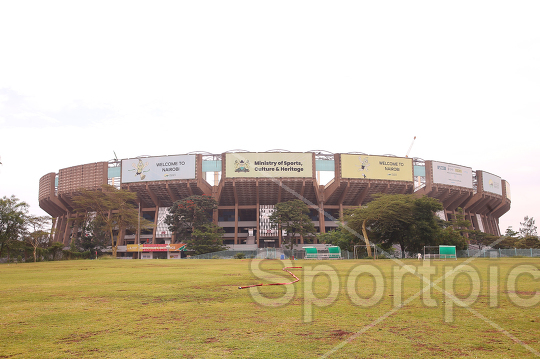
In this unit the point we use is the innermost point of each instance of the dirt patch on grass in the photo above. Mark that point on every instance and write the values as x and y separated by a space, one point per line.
78 337
520 292
338 333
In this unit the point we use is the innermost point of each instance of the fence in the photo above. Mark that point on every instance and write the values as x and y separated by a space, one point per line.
499 253
278 253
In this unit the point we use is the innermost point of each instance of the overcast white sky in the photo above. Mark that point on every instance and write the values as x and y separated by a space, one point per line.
79 80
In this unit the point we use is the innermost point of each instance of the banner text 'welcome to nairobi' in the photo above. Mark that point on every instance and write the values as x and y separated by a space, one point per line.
376 167
158 168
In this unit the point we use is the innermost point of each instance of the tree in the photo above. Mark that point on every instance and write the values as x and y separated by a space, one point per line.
37 237
113 209
452 237
341 237
527 242
92 236
55 249
528 227
191 220
510 239
426 226
521 239
13 215
189 214
206 238
387 216
460 223
400 219
293 217
481 239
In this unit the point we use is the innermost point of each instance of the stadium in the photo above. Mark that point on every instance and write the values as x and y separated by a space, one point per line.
247 186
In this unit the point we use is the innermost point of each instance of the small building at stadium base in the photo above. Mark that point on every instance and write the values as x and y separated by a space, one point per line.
248 185
153 251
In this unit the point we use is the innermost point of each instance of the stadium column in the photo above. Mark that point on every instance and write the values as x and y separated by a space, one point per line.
155 200
258 211
258 229
154 231
56 225
322 228
484 223
496 226
120 238
235 192
65 227
215 196
236 223
171 193
72 226
492 225
280 237
363 194
54 220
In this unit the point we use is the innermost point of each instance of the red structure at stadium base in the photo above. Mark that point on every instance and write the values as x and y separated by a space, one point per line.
247 185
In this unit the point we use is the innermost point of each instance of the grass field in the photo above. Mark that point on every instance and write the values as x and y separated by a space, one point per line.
338 309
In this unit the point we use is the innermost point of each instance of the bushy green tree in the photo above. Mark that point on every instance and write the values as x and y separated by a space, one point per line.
451 237
13 217
527 242
481 239
114 208
426 225
509 241
206 238
191 220
460 223
386 218
91 236
403 219
55 249
190 213
293 217
341 237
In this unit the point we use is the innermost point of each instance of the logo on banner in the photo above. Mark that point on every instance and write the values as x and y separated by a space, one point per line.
363 166
139 169
241 166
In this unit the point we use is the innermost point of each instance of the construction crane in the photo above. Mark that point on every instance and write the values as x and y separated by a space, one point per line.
409 151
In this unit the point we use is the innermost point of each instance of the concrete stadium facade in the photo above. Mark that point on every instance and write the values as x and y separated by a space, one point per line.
247 185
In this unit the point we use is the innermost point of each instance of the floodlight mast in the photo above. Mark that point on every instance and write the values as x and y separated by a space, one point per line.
410 147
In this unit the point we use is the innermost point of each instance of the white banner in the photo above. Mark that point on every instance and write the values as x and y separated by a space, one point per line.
491 183
158 168
446 173
508 190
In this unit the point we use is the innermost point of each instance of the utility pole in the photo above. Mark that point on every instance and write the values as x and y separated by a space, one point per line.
139 234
